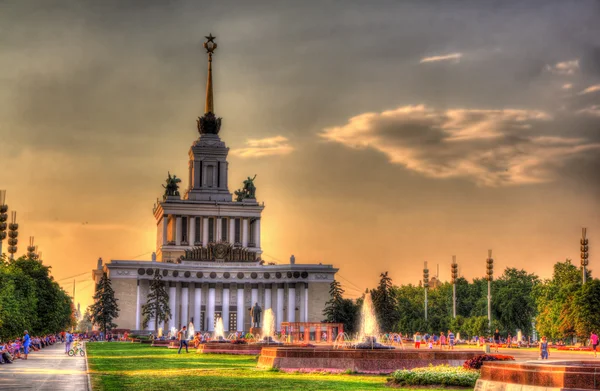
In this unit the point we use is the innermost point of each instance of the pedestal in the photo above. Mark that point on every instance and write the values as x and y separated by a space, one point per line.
256 331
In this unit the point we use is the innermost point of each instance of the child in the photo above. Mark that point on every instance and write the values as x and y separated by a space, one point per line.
544 349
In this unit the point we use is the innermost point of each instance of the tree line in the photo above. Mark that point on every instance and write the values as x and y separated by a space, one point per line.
560 308
31 300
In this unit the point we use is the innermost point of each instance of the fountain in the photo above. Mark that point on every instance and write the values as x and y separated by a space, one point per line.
269 329
369 328
160 332
191 331
173 333
367 356
219 334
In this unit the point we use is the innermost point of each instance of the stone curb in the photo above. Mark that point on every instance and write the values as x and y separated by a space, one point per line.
87 369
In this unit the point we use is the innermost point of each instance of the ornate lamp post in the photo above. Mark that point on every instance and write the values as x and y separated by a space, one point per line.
3 218
454 274
31 249
426 286
489 278
13 233
584 253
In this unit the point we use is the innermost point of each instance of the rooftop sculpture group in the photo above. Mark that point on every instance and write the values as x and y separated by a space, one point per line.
248 191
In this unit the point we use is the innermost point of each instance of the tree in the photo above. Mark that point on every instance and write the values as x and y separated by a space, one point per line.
586 305
340 310
513 301
385 304
157 307
85 324
18 302
105 308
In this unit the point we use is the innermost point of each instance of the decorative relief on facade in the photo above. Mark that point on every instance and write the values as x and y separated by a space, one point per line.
220 252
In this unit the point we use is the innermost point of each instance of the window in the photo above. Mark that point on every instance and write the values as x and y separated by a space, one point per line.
224 229
238 231
210 176
251 234
211 229
232 321
198 223
184 229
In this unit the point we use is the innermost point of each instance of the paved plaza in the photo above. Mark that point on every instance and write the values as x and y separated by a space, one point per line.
49 369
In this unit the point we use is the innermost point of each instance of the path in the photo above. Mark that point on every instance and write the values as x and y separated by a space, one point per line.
48 369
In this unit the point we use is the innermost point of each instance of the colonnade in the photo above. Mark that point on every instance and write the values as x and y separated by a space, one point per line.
174 231
232 301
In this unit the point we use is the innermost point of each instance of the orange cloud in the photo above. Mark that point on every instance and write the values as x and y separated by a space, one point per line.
271 146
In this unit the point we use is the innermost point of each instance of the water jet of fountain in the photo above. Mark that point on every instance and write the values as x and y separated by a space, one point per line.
268 326
219 330
191 331
368 320
173 333
160 332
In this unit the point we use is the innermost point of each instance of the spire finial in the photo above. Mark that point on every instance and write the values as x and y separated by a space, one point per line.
210 45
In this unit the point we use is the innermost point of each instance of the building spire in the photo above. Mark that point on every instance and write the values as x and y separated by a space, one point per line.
209 123
210 46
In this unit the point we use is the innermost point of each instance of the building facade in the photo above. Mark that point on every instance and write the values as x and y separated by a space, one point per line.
208 250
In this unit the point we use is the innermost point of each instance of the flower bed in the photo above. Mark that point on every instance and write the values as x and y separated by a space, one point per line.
575 348
440 375
477 362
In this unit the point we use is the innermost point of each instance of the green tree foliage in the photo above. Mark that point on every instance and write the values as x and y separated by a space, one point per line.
386 304
513 301
340 310
85 324
105 308
157 307
31 299
587 309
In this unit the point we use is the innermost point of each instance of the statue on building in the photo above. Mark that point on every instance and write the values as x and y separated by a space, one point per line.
248 191
255 314
172 187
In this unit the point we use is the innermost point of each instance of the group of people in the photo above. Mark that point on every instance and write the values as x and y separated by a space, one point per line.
19 349
443 341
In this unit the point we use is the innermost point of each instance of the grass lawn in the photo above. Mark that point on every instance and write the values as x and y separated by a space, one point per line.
126 366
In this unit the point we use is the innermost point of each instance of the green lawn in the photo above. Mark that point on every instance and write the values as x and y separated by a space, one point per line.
126 366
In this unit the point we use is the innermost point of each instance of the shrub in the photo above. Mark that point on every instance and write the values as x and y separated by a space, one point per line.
477 362
439 375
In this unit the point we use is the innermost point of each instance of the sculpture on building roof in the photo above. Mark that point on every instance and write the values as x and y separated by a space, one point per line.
248 191
172 187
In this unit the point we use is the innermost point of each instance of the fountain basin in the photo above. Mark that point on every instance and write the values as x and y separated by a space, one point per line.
236 348
539 376
359 360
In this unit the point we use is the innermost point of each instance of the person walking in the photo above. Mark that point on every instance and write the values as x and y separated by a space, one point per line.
544 349
450 340
68 341
497 339
418 340
594 342
26 343
182 341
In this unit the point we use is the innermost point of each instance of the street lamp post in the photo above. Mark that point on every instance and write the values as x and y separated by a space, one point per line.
454 274
13 233
490 277
584 254
3 218
425 285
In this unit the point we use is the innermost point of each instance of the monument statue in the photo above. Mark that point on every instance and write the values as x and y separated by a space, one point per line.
255 314
172 187
248 191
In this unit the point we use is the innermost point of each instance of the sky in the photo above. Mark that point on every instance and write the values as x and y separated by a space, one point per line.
383 134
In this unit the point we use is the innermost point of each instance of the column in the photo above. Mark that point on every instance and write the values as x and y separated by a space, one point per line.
218 233
137 307
231 230
279 315
178 231
210 308
197 306
185 301
172 303
268 296
257 233
306 302
291 302
204 231
225 312
165 228
245 233
192 233
240 307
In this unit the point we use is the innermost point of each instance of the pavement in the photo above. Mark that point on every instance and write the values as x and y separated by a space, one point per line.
48 369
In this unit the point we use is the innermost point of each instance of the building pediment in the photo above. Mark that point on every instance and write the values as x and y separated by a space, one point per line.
220 252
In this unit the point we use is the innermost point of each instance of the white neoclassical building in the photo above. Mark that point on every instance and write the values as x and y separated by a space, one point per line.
208 250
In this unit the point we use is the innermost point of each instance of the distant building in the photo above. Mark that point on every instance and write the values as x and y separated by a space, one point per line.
208 250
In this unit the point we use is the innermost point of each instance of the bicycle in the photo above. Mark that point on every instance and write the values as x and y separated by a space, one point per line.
76 349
